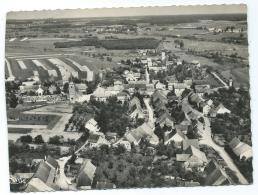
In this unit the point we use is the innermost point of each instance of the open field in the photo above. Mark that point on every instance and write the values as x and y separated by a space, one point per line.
62 113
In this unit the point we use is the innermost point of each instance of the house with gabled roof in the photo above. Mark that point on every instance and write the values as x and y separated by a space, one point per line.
92 125
143 131
45 176
241 149
135 108
52 162
159 95
195 99
220 109
190 142
123 96
165 120
86 175
126 144
174 136
192 157
159 85
215 175
183 127
97 139
37 185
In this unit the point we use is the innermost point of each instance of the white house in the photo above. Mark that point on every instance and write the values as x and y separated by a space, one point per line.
97 140
159 85
241 149
92 125
176 137
126 144
39 91
192 157
220 109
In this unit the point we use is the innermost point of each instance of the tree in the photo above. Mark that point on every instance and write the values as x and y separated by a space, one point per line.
66 87
181 44
13 100
58 90
120 149
26 139
54 140
39 139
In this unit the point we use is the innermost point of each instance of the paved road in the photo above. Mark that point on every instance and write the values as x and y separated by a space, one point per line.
150 112
62 181
223 154
215 75
206 139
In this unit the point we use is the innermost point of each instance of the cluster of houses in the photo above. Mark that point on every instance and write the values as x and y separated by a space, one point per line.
135 81
32 91
45 177
206 105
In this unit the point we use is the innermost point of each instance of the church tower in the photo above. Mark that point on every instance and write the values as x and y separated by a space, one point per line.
72 92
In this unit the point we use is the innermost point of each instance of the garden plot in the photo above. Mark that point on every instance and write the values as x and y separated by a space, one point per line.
42 73
51 72
65 69
8 69
18 72
80 67
82 73
21 64
52 69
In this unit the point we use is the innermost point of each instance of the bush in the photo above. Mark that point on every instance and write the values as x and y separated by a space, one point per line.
26 139
38 139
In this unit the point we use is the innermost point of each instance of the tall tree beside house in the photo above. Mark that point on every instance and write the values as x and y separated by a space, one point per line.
38 139
12 100
65 88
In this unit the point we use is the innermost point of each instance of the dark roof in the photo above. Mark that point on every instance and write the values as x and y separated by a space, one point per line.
86 173
234 142
182 127
195 98
43 171
165 117
190 142
93 138
215 175
159 95
52 161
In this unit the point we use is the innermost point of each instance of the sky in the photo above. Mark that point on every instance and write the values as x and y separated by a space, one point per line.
120 12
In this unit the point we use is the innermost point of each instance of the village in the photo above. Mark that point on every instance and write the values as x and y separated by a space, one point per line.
151 118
